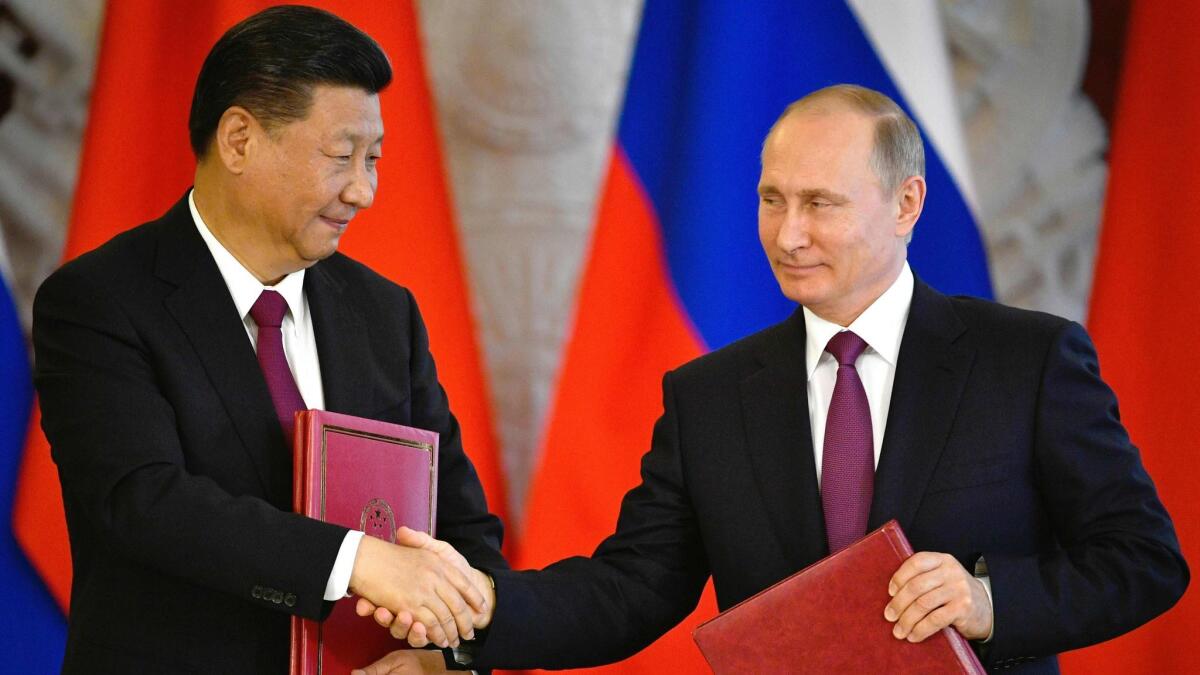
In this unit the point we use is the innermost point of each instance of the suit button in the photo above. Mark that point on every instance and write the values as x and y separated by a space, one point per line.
277 597
289 600
256 592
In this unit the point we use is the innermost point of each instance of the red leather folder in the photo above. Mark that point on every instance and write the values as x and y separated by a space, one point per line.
365 475
828 618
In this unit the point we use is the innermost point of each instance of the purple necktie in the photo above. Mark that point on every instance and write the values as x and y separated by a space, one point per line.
268 313
848 460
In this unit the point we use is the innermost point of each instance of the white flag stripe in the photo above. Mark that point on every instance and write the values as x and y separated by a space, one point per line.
909 39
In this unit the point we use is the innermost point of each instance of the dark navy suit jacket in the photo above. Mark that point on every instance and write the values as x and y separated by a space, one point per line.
1001 441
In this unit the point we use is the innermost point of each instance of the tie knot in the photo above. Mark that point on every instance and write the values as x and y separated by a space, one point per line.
845 347
269 309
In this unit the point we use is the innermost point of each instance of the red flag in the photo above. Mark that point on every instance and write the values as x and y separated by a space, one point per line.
629 330
1145 313
136 162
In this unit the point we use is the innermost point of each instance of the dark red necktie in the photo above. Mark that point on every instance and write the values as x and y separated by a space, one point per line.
848 458
268 313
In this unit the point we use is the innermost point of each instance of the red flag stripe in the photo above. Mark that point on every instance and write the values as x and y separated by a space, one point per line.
629 329
1145 312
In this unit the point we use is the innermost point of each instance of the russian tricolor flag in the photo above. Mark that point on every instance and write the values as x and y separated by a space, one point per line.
676 269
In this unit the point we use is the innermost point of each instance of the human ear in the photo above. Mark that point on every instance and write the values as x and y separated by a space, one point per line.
233 136
910 199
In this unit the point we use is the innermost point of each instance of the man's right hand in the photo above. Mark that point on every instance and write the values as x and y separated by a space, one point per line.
418 585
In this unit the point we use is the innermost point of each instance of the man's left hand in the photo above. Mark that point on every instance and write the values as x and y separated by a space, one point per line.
931 591
405 661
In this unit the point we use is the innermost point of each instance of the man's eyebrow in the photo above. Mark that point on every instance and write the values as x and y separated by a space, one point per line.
351 135
822 193
810 193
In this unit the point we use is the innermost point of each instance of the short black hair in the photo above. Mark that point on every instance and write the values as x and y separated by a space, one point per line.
270 62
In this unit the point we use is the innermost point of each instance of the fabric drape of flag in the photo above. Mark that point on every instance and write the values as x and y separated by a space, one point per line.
675 266
136 163
1145 308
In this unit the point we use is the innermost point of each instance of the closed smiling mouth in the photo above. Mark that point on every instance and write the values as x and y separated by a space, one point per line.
796 267
338 223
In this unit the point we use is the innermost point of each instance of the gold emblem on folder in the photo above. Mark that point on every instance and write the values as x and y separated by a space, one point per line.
378 520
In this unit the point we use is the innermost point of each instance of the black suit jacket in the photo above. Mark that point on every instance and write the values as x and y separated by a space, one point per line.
1001 441
176 477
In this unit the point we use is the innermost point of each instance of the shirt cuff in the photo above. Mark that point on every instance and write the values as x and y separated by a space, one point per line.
338 585
987 586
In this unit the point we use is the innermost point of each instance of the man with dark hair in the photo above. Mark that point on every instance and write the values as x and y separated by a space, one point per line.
984 430
171 359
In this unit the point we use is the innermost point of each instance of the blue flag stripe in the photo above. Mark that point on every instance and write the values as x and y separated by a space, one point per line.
33 631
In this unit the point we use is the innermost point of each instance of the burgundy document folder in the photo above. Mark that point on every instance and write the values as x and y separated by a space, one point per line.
365 475
828 618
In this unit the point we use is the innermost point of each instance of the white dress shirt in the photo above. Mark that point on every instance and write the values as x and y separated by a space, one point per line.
881 326
300 348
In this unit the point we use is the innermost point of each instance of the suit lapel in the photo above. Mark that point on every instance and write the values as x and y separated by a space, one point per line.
931 370
779 442
342 344
204 310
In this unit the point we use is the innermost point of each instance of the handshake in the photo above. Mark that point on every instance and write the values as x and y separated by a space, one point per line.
421 589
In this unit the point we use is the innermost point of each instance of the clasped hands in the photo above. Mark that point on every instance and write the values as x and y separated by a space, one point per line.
421 589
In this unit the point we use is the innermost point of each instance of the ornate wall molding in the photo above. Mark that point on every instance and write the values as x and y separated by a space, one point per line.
528 93
1036 142
47 58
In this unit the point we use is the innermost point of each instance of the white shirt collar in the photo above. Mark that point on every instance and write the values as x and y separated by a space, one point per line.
881 325
243 285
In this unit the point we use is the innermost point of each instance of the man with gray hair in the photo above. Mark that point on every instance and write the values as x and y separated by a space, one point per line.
984 430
